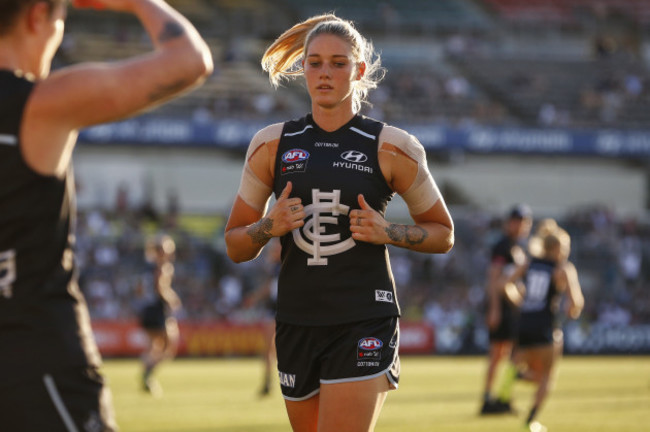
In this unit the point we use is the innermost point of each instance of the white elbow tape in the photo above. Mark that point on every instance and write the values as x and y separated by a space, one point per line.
253 191
423 193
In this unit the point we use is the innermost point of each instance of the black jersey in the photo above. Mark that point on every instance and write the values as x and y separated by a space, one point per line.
326 277
502 254
44 321
540 305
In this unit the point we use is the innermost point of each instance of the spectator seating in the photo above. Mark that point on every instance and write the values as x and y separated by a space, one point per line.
564 11
591 92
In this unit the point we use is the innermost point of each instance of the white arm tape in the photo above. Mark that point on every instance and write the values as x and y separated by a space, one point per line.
252 190
423 192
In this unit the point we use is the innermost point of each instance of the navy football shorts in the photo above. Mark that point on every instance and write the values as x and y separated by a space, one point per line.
74 400
153 316
507 329
309 356
529 339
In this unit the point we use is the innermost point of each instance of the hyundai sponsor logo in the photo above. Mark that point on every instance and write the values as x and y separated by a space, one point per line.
354 156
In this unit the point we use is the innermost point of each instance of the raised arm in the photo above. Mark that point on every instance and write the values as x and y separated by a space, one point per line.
403 163
90 93
568 278
512 288
163 284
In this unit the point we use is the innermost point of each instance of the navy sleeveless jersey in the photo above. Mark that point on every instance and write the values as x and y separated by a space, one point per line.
540 305
326 277
44 321
502 253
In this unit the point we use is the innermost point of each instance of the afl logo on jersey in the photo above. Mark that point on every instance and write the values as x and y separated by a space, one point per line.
294 161
295 155
354 156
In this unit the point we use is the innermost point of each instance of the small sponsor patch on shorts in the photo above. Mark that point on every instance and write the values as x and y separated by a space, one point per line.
369 351
383 296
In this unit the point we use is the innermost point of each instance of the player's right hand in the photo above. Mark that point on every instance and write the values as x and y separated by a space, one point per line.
287 214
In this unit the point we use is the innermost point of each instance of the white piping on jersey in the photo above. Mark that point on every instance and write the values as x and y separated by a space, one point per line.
300 132
360 132
58 403
8 139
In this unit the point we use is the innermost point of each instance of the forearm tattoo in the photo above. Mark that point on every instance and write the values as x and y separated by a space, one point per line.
171 30
260 232
411 235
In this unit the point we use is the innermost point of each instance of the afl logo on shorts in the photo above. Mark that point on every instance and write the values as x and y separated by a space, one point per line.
369 348
294 161
370 344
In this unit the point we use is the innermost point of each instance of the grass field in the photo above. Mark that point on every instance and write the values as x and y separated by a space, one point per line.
594 394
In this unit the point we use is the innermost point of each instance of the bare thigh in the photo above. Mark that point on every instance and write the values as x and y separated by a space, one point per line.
500 349
352 406
538 360
341 407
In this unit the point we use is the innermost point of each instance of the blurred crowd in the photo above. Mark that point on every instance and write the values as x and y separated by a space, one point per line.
477 76
612 256
481 71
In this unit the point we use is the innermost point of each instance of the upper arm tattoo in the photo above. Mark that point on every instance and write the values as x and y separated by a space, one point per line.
171 30
410 235
260 232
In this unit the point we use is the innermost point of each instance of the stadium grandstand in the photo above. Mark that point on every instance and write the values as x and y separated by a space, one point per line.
539 101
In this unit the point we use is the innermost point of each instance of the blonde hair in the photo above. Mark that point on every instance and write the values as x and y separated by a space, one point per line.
558 238
548 236
159 243
536 242
282 59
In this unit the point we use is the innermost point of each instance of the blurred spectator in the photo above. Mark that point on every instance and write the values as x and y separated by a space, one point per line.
443 290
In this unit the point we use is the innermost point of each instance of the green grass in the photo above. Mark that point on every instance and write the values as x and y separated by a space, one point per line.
594 394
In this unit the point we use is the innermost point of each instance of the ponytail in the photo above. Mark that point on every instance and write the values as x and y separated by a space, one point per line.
282 59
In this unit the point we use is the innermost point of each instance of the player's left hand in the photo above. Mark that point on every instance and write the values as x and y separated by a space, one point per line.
367 225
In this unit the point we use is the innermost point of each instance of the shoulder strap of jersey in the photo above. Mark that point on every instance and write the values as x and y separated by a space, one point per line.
14 92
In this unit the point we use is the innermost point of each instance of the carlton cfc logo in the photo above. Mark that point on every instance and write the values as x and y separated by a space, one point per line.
295 155
313 238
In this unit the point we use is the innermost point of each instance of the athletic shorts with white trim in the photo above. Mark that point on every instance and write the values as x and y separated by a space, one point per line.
309 356
74 400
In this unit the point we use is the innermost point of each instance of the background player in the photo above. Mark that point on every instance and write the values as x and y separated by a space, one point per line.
507 253
265 298
49 379
540 340
333 172
157 316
